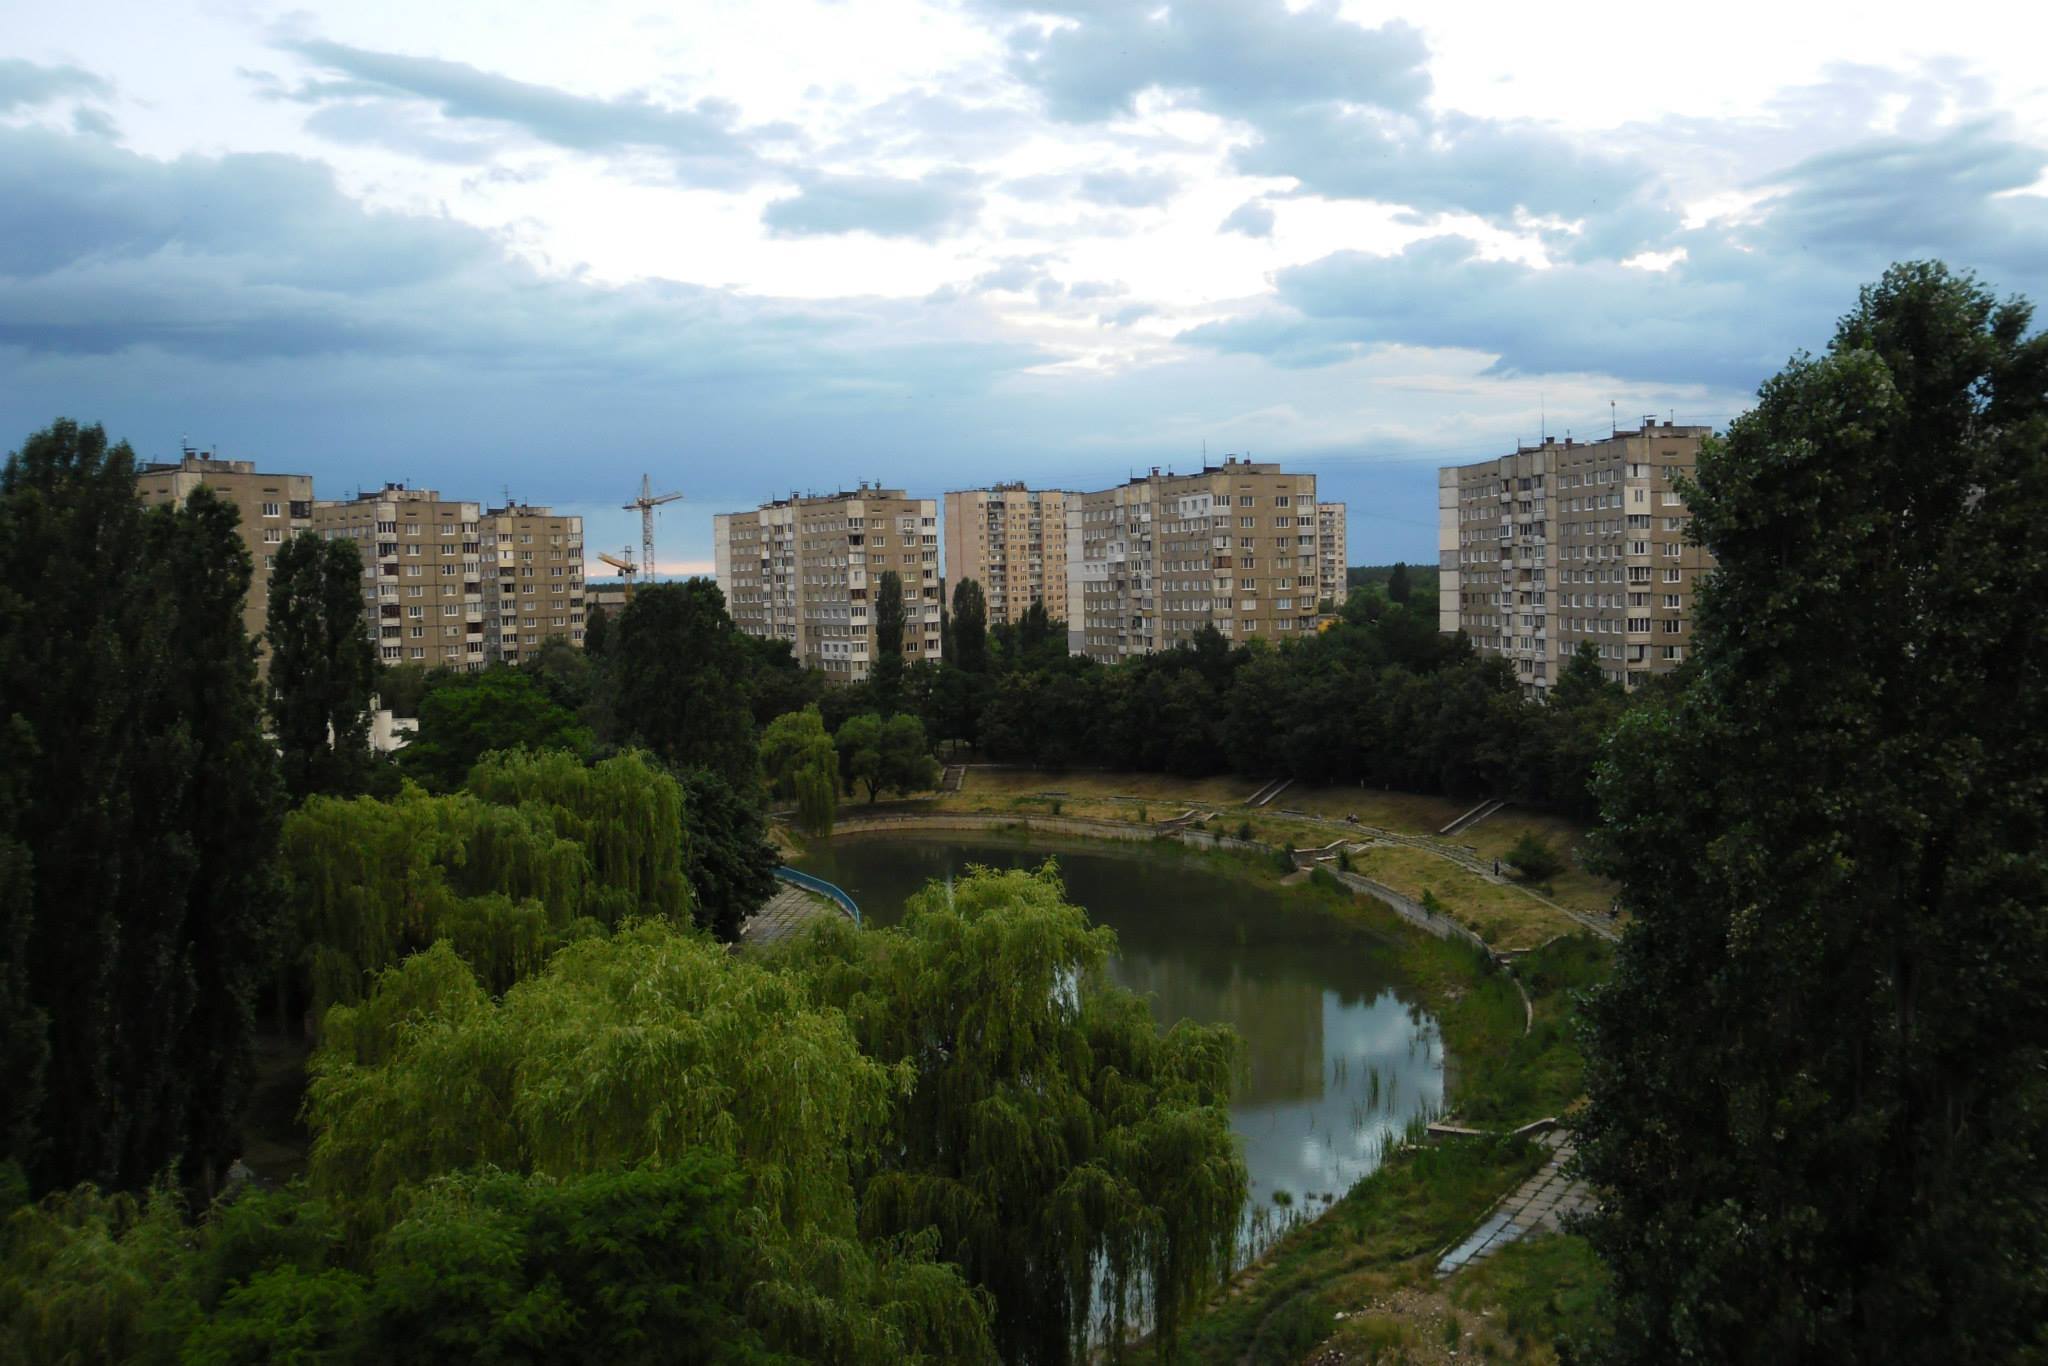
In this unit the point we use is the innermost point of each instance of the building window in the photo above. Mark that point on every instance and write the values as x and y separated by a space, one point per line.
273 510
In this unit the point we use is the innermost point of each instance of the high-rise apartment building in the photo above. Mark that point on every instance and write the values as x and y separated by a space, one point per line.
1333 543
807 570
1573 541
1013 542
1153 561
423 576
536 588
274 508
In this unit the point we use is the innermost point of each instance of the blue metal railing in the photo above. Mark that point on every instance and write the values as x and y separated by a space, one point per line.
821 887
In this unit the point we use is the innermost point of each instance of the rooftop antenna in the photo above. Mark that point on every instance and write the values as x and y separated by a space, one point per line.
647 502
1613 422
1542 416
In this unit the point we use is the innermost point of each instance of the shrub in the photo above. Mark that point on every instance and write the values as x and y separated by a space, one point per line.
1534 860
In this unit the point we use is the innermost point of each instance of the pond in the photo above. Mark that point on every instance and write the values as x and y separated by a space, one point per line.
1340 1056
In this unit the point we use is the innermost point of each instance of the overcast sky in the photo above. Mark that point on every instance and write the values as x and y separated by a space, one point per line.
757 248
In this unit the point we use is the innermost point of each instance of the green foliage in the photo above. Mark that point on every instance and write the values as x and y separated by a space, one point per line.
802 762
888 756
1538 1291
470 715
629 1265
401 686
622 1050
1412 1206
597 631
1818 1104
1398 587
138 815
793 743
1534 860
322 666
969 647
1073 1160
540 851
886 677
678 682
726 855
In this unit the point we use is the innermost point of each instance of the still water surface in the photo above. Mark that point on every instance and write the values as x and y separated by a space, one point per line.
1340 1058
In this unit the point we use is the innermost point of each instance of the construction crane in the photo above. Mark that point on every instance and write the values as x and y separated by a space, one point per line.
623 562
647 502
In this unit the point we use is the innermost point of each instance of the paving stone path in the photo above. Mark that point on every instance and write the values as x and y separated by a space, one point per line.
1540 1203
786 913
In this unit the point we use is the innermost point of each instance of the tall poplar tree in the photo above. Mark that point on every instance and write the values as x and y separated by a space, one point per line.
678 676
322 666
887 675
140 818
970 627
1819 1077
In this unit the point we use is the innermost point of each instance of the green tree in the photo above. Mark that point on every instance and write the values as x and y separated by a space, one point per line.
890 755
970 627
322 666
540 851
597 631
565 672
1534 860
471 715
1398 588
650 1047
401 686
802 763
859 743
726 854
139 803
777 681
1075 1162
1579 714
1819 1092
886 678
678 674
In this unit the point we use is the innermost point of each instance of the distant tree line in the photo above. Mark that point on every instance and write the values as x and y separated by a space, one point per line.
1381 697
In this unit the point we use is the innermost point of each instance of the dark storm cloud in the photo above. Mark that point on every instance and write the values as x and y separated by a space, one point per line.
23 84
885 206
261 259
1743 299
704 141
1234 58
1895 197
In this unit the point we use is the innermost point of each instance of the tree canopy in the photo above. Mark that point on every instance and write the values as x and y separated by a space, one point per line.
322 666
678 681
1077 1163
138 815
888 756
969 649
1819 1088
540 850
467 716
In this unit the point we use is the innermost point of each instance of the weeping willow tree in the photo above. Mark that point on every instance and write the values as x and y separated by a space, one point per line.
643 1049
544 851
1076 1162
800 761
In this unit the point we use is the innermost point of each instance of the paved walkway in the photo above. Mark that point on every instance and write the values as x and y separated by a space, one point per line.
1540 1203
786 913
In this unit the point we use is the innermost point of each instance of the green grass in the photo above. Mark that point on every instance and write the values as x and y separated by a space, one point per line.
1387 1230
1503 916
1537 1291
